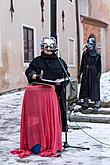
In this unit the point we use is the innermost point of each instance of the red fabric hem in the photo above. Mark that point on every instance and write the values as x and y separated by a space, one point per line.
40 122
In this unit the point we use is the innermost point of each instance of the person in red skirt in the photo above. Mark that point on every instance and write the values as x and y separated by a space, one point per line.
47 66
44 105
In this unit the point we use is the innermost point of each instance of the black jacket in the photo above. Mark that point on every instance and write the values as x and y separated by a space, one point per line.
50 65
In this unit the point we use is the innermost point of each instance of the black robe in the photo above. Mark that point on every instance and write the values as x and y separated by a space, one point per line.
91 70
52 70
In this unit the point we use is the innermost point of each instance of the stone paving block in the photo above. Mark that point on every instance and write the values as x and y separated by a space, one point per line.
100 120
92 119
80 118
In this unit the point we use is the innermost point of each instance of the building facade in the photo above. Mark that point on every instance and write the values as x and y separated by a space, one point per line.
94 20
22 25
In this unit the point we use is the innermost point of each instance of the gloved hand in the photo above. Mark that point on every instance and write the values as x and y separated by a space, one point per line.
98 76
35 76
57 82
78 76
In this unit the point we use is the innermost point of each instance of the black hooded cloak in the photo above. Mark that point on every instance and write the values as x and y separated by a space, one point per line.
91 70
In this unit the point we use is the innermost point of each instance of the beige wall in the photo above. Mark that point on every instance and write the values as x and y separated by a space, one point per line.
102 12
28 13
68 32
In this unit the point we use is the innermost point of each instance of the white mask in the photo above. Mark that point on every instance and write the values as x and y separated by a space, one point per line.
48 43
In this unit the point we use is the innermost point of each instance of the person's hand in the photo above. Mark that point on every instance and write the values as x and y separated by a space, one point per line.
78 76
98 76
34 76
57 82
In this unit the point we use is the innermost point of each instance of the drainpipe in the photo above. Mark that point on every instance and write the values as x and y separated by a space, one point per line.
53 24
78 33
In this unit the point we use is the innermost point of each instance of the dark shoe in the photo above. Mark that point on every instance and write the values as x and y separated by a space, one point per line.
97 104
85 103
84 107
86 111
95 110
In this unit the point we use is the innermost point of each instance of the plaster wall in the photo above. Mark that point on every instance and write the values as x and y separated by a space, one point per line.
101 11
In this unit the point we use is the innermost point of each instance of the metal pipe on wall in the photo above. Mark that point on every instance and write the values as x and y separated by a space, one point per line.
53 24
78 33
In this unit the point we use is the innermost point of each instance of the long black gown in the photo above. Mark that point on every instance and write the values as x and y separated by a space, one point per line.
90 69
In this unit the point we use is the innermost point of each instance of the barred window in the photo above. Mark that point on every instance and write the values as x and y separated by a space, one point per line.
28 37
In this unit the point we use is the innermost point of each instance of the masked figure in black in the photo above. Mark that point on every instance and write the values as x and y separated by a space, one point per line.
90 70
47 66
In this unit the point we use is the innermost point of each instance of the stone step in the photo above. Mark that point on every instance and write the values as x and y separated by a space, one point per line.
92 119
102 116
90 110
105 111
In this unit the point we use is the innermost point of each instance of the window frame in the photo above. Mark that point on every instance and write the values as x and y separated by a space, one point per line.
71 65
27 42
34 42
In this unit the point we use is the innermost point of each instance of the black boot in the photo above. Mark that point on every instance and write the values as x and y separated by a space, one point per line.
96 106
85 104
95 110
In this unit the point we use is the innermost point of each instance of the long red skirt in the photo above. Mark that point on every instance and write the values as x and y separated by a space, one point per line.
40 121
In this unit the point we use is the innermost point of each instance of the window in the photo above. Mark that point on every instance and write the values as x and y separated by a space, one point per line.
71 54
84 7
28 37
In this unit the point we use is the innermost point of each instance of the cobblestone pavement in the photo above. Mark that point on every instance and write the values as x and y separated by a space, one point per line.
10 111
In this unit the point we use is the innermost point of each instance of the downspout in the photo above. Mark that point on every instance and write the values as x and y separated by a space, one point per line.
53 23
78 34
